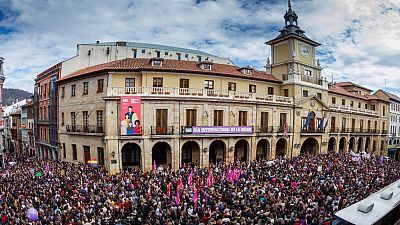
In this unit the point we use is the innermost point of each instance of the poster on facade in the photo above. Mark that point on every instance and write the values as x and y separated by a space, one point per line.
130 118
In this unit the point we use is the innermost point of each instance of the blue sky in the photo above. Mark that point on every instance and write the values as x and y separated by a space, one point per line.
360 38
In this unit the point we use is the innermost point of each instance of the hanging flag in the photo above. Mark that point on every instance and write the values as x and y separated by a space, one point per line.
180 184
231 175
285 129
321 124
305 126
195 197
210 179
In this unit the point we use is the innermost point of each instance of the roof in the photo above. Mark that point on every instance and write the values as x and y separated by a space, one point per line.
348 84
390 95
336 89
168 65
381 206
152 46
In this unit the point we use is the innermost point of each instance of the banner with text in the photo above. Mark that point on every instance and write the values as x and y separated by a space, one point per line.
218 130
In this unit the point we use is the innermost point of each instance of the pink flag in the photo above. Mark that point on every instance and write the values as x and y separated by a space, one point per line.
180 184
231 175
210 179
285 129
154 167
47 166
195 197
190 179
238 172
294 184
178 198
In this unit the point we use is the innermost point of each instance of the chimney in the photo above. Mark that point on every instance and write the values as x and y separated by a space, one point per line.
1 66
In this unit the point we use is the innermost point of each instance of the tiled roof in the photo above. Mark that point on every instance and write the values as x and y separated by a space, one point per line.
154 46
336 89
347 83
392 96
177 66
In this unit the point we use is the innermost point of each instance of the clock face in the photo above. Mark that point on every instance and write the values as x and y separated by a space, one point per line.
304 51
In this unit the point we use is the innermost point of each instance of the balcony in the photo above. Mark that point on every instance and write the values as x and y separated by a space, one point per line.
312 130
279 129
264 129
215 130
84 129
167 130
336 130
298 78
348 109
198 94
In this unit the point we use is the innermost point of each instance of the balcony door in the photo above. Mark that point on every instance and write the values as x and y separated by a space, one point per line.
161 121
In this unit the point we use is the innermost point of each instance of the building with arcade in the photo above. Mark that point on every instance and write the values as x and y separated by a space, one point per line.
133 112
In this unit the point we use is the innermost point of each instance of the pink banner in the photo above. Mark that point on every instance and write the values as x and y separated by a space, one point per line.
130 118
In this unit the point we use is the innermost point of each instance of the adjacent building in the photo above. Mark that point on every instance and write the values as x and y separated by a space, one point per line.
136 111
2 141
45 113
12 128
394 123
103 52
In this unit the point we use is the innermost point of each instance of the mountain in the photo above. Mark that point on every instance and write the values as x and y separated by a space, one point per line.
12 95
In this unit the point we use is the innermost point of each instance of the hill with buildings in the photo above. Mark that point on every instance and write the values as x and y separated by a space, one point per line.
12 95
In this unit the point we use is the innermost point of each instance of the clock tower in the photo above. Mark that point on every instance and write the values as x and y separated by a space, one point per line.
293 60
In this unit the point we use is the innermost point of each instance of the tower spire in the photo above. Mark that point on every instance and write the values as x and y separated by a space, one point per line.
289 5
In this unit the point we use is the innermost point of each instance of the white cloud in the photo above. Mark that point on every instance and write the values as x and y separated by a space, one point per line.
46 32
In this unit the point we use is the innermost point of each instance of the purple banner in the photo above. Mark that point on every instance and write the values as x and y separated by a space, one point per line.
219 130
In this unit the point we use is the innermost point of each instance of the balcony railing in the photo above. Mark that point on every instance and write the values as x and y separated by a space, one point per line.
167 130
309 79
279 129
264 129
198 93
336 130
84 128
345 108
312 130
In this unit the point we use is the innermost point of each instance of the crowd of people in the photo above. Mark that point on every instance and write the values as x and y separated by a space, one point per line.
302 190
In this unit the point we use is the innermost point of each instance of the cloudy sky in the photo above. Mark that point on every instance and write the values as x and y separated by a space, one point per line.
360 38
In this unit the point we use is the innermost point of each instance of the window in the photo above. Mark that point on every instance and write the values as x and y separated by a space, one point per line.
333 100
100 85
62 92
129 82
242 118
143 51
351 104
218 117
359 105
44 112
157 81
134 53
247 71
305 93
85 118
206 66
307 72
199 58
45 91
156 62
73 121
166 53
366 106
85 88
264 121
209 84
158 54
344 124
40 113
187 56
191 115
64 150
286 92
99 119
333 122
343 102
319 95
100 156
73 90
282 119
62 119
184 83
383 110
231 86
372 107
178 56
161 121
74 152
270 90
252 88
